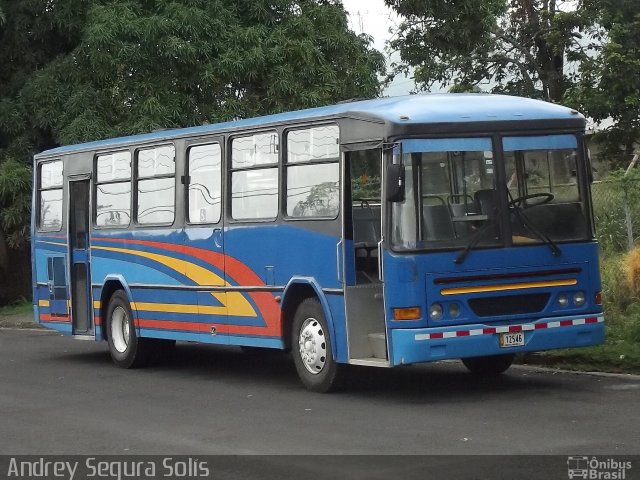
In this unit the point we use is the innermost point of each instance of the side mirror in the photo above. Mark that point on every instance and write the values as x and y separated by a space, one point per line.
394 183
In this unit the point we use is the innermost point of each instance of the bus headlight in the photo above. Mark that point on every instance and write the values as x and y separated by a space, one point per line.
563 300
435 311
579 299
454 310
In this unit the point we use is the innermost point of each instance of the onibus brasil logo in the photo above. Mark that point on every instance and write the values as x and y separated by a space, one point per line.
593 468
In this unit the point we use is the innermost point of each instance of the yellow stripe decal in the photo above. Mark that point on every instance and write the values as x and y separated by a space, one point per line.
96 304
508 286
233 303
53 243
43 303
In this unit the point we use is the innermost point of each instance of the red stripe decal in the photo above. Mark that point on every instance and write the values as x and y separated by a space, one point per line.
487 331
172 325
436 335
238 272
515 328
462 333
539 326
591 320
57 318
566 323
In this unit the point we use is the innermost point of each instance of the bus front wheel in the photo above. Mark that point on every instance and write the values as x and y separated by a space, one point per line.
490 365
311 348
127 350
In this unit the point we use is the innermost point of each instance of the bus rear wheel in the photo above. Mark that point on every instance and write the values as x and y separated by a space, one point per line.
311 348
126 349
490 365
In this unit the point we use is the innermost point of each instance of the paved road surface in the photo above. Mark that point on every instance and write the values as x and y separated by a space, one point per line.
64 396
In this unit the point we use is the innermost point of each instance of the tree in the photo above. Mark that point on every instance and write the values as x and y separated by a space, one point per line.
79 70
609 83
519 46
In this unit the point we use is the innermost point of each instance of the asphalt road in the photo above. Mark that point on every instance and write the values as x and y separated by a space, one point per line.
63 396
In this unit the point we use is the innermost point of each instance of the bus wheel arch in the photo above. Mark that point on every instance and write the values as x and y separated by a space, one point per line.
296 291
108 289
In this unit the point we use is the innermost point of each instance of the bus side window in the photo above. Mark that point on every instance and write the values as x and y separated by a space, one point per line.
205 183
312 172
50 196
254 177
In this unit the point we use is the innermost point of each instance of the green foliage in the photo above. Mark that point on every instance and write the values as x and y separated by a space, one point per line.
609 83
82 70
520 46
621 351
15 196
365 187
609 200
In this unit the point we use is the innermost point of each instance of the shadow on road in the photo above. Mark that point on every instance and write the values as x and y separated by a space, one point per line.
433 383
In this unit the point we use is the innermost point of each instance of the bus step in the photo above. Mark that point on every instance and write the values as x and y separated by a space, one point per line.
370 362
378 344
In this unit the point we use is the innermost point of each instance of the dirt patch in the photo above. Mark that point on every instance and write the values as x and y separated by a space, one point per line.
18 321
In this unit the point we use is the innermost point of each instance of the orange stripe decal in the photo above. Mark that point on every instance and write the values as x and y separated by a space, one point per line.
508 286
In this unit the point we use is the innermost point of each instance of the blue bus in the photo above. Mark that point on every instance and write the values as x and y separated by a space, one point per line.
380 232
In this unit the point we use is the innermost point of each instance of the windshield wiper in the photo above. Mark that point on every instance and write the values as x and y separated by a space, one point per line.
491 222
518 211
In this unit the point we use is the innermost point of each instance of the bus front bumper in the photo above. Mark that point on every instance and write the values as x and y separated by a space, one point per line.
415 345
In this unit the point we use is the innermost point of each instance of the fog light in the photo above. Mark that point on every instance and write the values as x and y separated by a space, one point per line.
435 311
579 298
563 300
454 310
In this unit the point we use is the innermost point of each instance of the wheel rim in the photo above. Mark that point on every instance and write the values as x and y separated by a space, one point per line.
120 329
313 346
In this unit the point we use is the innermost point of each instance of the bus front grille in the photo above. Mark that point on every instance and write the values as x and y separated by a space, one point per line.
509 305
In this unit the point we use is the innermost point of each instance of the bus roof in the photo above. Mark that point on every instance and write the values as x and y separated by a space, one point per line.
409 109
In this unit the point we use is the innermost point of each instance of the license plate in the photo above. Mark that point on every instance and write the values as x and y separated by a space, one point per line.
515 339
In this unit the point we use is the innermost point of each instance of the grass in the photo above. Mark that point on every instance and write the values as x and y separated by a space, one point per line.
19 308
621 296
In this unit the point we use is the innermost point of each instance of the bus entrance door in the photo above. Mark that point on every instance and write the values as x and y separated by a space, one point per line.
363 291
79 256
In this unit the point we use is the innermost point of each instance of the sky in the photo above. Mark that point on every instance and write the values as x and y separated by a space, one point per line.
374 18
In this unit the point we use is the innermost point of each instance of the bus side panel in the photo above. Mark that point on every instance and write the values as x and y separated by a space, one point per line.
51 293
270 255
336 305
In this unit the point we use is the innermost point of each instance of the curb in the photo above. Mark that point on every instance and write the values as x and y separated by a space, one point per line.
536 368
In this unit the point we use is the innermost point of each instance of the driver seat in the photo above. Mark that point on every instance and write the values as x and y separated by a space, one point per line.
486 202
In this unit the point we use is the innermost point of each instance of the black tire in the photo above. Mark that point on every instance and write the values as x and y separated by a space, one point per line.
127 350
491 365
313 359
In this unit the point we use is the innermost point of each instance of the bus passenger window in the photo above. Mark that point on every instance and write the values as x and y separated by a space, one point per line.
50 193
156 185
313 174
113 190
254 177
205 183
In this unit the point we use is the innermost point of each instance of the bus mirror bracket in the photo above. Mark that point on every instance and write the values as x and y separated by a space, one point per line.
395 183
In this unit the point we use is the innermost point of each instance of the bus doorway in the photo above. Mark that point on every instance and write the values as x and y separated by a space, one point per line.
363 235
81 307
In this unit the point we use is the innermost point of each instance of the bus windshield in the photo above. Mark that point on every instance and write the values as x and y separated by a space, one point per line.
453 196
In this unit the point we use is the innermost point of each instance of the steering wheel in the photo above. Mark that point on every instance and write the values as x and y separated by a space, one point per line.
522 201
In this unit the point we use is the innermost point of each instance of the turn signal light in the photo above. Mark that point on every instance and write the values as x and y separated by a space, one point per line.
411 313
598 298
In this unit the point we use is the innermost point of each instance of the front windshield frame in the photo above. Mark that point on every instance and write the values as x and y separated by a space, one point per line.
500 235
